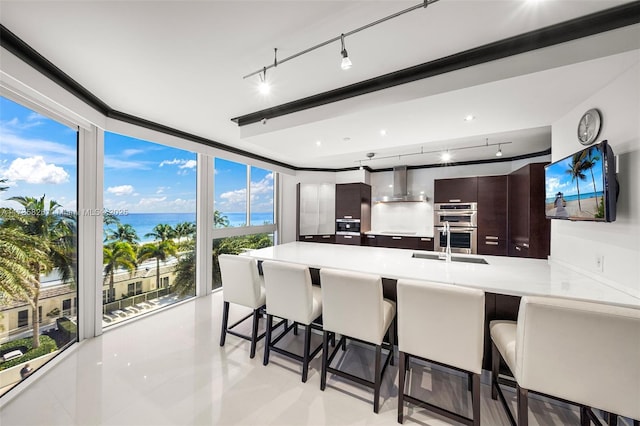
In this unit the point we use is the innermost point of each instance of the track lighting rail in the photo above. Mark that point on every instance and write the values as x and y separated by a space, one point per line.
422 151
423 4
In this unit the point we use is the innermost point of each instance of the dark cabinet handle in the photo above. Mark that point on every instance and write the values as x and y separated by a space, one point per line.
371 236
326 236
425 239
347 237
308 237
493 243
490 238
396 238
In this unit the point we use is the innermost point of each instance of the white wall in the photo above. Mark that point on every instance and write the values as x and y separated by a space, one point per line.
578 244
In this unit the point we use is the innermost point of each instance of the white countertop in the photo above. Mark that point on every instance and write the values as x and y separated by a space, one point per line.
504 275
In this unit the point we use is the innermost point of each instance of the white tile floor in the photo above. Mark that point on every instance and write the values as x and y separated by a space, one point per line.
168 369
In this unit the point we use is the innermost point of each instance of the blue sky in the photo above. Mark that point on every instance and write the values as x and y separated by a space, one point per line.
38 156
558 180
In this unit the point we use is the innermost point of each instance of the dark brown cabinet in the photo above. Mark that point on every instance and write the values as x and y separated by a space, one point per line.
329 238
492 215
459 190
353 201
355 240
398 241
529 229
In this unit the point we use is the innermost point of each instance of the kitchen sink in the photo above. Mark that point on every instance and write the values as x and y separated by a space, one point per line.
430 256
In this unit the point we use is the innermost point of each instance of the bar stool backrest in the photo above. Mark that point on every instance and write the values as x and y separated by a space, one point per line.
584 352
289 292
442 323
240 280
352 304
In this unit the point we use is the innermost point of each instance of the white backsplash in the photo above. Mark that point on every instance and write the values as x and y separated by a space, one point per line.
402 217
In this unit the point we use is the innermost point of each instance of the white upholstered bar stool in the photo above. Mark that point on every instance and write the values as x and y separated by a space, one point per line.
443 324
242 285
353 306
291 296
584 353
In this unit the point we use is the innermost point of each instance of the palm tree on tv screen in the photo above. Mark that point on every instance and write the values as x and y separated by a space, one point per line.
576 169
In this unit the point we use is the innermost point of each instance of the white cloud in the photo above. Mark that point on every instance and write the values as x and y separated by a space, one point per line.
35 170
554 184
111 162
190 164
121 190
130 152
181 163
146 202
19 146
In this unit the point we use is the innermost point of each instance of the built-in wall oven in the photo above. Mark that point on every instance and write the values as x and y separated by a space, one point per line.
348 227
463 225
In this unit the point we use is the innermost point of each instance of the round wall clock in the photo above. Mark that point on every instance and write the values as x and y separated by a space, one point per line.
589 127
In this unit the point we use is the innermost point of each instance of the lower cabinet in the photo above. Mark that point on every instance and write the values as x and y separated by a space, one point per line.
397 241
330 238
354 240
492 245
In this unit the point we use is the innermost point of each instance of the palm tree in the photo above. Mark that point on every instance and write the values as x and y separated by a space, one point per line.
589 161
119 254
17 254
185 281
219 220
185 230
3 188
575 170
162 232
124 233
159 251
57 235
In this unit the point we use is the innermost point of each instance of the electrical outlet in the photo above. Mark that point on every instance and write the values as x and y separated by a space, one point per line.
600 263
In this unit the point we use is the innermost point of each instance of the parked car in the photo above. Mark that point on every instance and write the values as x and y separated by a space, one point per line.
107 318
143 305
12 355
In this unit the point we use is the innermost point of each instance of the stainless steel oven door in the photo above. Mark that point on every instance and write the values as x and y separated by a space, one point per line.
456 218
463 240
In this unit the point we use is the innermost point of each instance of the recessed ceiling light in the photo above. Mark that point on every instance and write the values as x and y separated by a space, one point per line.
383 132
318 142
469 117
390 186
445 156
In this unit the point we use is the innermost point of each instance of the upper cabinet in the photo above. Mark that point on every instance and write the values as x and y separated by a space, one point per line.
316 209
459 190
492 215
353 201
529 229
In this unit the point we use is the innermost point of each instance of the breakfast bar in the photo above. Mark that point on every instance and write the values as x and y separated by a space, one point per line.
506 276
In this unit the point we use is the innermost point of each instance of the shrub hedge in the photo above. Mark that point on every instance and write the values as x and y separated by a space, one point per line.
47 345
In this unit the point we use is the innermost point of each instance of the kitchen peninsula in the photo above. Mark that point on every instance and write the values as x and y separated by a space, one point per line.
501 275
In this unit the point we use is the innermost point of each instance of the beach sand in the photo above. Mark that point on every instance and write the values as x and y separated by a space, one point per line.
589 208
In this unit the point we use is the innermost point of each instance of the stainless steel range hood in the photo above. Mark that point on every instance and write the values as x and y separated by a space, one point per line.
400 192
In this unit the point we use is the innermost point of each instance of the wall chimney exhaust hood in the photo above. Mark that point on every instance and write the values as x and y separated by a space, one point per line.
400 193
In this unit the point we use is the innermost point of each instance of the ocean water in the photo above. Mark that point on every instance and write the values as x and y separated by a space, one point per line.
574 197
144 223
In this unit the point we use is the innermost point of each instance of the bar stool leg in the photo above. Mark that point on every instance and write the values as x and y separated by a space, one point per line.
612 419
523 406
307 348
378 379
470 382
325 356
495 370
225 323
254 333
475 398
402 371
584 416
267 340
295 328
392 340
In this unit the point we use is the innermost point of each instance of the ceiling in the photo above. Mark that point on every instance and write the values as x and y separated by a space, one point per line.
180 64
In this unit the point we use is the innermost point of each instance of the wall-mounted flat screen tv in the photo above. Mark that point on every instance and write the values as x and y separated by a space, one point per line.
583 186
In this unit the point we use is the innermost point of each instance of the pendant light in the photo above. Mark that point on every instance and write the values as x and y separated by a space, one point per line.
346 62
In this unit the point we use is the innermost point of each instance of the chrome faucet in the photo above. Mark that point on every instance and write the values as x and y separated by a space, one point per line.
447 231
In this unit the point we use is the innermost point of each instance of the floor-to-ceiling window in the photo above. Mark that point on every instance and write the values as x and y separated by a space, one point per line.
149 226
243 198
38 240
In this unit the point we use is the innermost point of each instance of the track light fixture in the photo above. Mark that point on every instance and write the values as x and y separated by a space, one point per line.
445 156
346 62
264 86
